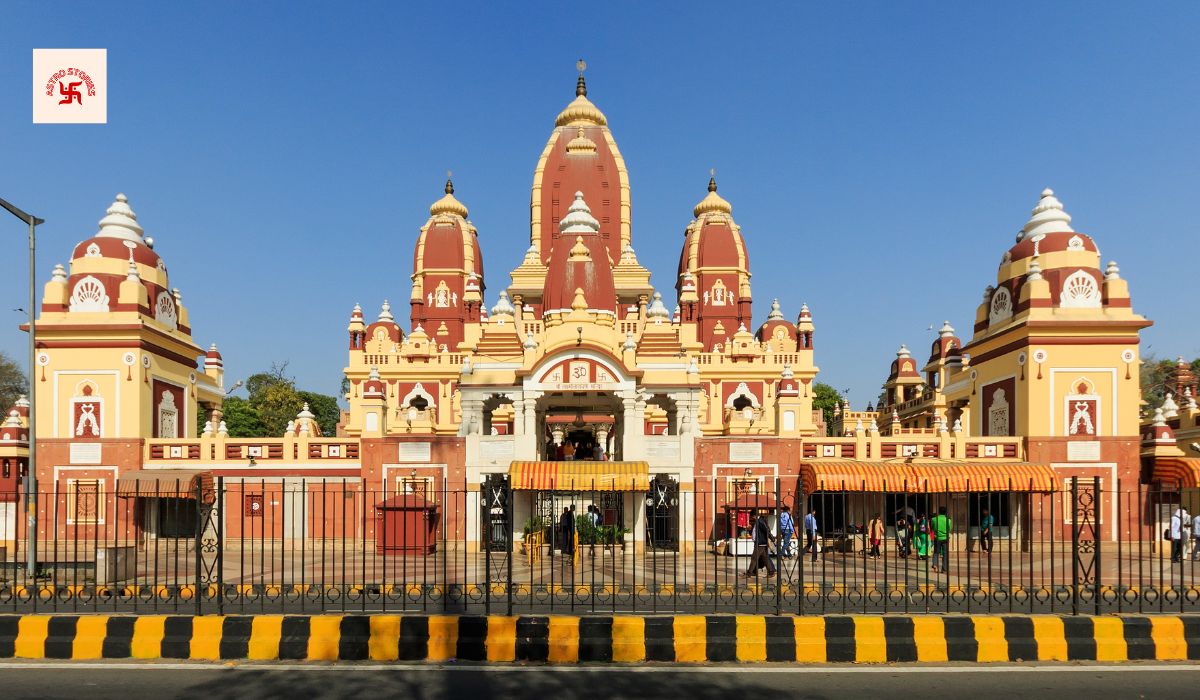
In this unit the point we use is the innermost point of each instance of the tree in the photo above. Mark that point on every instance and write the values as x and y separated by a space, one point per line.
326 409
241 419
1154 377
825 398
12 383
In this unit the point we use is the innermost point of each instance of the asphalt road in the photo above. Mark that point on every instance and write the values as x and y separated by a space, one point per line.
294 681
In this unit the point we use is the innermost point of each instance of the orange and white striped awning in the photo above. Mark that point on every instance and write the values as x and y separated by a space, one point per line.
893 476
580 476
1177 472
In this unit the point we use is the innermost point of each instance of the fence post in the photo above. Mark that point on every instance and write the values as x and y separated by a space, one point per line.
779 553
509 536
1074 545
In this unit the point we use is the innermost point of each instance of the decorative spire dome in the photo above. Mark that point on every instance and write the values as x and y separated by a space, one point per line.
356 313
1048 217
903 352
1035 270
657 309
804 312
776 314
946 331
121 222
581 110
1170 409
712 202
581 144
448 204
1112 272
579 218
503 306
385 312
59 275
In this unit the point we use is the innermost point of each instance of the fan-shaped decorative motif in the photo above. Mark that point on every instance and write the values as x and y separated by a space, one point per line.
1079 291
1001 309
164 311
89 295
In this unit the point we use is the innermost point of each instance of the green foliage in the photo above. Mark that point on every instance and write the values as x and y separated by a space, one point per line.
326 410
825 398
12 383
1154 376
534 524
242 419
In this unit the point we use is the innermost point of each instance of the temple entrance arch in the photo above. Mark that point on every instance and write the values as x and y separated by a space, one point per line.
587 407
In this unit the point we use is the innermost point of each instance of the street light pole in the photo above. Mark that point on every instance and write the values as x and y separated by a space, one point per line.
31 468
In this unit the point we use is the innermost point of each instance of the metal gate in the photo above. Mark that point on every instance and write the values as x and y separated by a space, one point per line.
662 513
494 502
1086 496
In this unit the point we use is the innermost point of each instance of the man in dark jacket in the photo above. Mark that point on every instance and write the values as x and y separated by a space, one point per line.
762 557
566 528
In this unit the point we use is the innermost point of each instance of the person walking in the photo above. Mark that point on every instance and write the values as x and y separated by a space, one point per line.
1196 538
787 529
762 538
566 527
875 535
985 532
922 536
810 532
942 526
1180 522
903 537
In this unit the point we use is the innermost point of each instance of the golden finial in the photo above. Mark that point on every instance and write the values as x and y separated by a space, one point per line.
581 86
449 182
712 179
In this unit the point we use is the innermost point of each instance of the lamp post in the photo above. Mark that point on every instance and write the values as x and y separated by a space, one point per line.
31 469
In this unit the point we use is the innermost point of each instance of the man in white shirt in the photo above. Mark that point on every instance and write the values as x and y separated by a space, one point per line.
1181 522
1196 538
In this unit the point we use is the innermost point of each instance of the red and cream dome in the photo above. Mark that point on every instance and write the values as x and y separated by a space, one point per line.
447 276
580 156
120 252
1048 249
579 265
715 262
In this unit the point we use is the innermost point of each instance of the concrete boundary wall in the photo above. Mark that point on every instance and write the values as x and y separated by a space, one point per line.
603 638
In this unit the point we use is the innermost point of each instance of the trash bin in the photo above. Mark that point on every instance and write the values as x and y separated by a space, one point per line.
406 524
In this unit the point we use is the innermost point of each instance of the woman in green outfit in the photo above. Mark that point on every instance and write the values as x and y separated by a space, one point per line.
922 536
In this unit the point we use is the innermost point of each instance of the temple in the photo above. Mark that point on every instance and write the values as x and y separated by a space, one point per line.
581 382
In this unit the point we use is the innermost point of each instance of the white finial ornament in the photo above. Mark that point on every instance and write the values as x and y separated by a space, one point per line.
1112 272
223 430
946 330
630 344
121 222
208 428
693 368
957 427
1160 420
858 426
874 427
530 343
657 310
903 351
1047 217
776 314
59 275
787 372
1169 407
579 218
503 306
385 312
132 275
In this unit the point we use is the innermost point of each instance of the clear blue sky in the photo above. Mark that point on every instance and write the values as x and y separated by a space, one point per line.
879 157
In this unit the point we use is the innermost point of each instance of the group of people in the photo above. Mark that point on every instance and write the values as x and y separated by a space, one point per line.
925 535
571 450
1181 523
566 528
763 538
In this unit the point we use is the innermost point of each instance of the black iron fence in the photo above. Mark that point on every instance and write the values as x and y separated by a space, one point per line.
314 545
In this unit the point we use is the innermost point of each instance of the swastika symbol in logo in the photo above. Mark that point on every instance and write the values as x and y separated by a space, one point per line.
71 93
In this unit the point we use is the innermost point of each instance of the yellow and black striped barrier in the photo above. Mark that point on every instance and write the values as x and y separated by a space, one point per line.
604 638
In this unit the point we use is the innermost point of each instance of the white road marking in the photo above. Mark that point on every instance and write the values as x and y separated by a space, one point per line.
381 667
